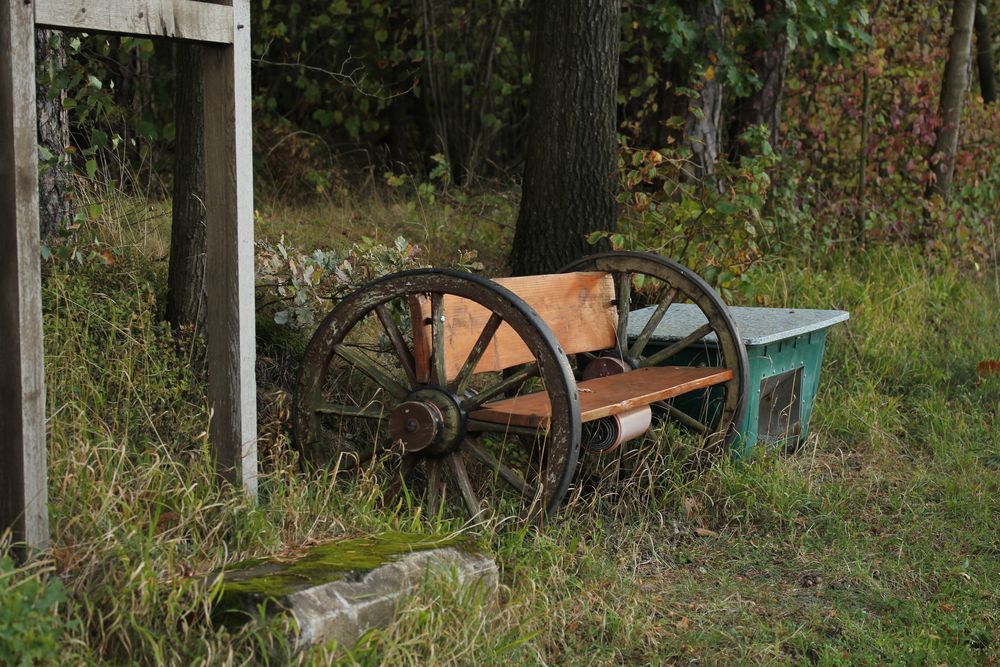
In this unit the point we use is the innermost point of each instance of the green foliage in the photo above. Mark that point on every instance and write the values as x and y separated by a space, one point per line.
715 224
31 627
370 73
820 185
301 287
667 48
298 288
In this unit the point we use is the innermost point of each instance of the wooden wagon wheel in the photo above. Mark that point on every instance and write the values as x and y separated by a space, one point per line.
645 279
376 380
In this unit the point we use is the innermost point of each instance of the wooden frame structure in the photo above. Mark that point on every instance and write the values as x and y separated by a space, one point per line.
223 28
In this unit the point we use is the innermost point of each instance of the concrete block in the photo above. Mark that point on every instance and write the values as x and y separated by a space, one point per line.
341 590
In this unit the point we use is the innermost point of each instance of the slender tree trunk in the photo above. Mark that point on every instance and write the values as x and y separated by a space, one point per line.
54 184
703 129
769 62
984 53
568 187
186 274
953 88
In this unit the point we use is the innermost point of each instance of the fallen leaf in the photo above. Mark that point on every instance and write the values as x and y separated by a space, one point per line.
705 532
988 367
167 520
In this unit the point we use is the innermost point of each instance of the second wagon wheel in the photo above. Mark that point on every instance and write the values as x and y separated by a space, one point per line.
648 280
396 372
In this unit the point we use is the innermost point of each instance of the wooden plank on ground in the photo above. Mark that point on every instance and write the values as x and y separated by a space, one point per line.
177 19
23 475
606 396
576 306
229 267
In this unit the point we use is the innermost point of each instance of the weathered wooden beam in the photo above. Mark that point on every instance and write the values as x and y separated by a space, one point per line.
178 19
229 269
23 476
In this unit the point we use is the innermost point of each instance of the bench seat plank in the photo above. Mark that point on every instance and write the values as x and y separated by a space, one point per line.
606 396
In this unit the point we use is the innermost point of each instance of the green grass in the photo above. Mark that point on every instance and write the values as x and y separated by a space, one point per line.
876 543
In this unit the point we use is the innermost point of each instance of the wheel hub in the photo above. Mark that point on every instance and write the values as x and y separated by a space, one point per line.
429 421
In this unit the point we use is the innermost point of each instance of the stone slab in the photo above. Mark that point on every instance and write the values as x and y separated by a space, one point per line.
336 592
757 326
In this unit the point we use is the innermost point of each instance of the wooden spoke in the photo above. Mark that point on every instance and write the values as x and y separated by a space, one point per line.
507 474
688 340
510 382
489 330
372 370
367 411
402 351
351 459
683 417
509 429
406 466
461 475
421 346
437 339
436 486
664 300
624 297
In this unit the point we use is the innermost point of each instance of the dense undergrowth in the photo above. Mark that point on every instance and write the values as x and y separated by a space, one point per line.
873 544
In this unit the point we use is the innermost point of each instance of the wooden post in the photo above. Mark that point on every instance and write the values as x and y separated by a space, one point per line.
23 478
229 269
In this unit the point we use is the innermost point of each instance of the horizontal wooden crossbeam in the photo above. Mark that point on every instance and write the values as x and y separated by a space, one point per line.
177 19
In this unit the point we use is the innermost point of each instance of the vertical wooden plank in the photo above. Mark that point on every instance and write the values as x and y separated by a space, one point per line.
229 269
23 479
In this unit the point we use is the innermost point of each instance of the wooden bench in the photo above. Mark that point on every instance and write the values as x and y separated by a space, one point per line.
443 368
581 311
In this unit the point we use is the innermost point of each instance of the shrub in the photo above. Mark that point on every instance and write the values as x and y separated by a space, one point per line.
30 626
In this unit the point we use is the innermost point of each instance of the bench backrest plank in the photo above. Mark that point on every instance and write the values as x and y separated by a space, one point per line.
578 307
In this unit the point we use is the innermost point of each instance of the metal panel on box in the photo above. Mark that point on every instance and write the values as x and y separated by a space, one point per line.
785 352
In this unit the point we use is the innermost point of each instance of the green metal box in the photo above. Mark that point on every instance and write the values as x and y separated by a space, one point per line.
784 351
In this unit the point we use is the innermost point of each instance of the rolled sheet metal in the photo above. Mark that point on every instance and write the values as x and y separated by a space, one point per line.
606 435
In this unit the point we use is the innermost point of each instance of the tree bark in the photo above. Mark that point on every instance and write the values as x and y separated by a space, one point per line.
769 61
705 118
568 186
186 274
984 53
54 183
953 88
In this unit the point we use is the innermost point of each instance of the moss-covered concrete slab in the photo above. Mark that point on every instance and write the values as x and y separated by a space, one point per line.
340 590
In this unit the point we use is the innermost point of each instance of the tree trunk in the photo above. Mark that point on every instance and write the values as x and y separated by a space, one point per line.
186 274
705 118
769 62
984 52
568 187
953 87
54 184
